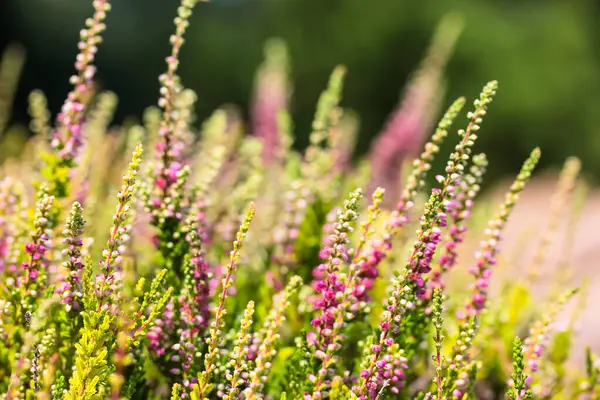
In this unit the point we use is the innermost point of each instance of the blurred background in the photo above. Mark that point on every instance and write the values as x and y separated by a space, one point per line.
545 55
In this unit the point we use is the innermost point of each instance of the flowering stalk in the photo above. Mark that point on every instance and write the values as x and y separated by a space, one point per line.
468 318
67 138
438 338
317 162
518 388
378 250
407 125
329 285
269 335
367 225
239 354
168 158
141 323
91 357
343 143
534 344
460 210
13 225
107 279
271 95
486 256
564 188
203 387
193 302
198 277
70 289
409 288
34 280
350 300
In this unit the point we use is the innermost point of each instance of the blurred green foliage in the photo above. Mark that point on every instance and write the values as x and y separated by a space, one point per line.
545 54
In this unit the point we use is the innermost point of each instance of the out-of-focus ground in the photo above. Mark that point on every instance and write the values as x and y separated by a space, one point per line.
562 269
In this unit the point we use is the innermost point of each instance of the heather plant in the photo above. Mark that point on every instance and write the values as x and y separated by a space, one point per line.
227 265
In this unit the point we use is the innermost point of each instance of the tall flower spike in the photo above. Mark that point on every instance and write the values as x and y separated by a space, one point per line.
198 277
112 254
67 138
34 280
70 289
239 354
316 163
379 249
342 308
168 163
271 96
328 284
518 386
558 203
539 333
13 225
407 126
459 209
486 257
367 225
438 338
335 251
203 387
410 287
269 336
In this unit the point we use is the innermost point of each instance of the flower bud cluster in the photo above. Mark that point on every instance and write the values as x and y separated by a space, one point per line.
38 249
271 96
485 257
70 289
269 335
328 285
67 139
109 277
459 208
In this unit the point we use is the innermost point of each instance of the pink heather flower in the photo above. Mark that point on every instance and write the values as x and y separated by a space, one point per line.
328 283
400 140
405 130
37 263
70 288
161 333
270 97
458 205
67 138
198 279
389 372
11 206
